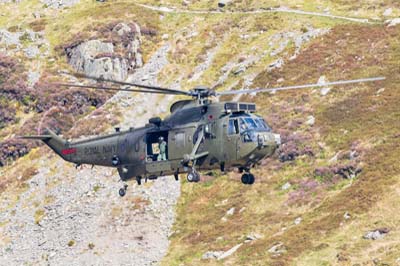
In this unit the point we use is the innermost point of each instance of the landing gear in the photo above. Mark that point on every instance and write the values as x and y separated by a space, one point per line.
248 179
193 176
222 167
139 180
122 191
176 175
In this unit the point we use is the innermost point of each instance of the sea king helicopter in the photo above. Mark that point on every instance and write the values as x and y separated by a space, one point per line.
199 134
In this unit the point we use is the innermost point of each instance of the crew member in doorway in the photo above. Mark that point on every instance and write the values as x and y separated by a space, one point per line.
162 145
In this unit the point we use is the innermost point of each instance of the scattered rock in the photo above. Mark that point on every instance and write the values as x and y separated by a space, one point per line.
231 211
324 91
10 38
71 214
32 51
239 69
392 22
381 90
252 237
334 158
279 41
310 120
286 186
298 220
347 171
33 77
388 12
277 249
276 64
229 252
346 216
59 3
376 234
212 255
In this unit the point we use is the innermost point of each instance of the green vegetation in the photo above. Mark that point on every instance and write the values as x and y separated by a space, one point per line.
39 214
349 118
71 243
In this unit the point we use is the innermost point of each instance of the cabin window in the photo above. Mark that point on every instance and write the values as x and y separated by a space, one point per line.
210 130
233 127
180 139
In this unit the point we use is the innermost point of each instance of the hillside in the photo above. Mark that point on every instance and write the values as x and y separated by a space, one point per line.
334 179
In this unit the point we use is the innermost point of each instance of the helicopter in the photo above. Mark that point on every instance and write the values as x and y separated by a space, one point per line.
198 135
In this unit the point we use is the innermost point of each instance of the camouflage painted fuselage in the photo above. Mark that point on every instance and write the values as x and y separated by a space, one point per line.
209 135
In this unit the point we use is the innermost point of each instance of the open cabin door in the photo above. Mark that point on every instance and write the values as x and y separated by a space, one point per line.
157 155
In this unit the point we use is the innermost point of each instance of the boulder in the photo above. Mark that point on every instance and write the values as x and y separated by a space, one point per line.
392 22
376 234
112 58
223 3
94 58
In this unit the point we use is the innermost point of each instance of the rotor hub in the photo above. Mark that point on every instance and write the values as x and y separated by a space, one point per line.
201 92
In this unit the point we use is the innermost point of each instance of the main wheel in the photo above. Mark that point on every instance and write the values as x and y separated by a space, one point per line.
122 192
196 177
245 179
251 179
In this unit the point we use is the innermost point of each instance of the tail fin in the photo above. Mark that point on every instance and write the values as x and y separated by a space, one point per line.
56 143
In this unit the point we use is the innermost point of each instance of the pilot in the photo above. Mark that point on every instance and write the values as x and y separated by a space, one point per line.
162 145
245 133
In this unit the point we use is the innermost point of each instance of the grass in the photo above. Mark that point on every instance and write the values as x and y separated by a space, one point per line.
39 214
323 235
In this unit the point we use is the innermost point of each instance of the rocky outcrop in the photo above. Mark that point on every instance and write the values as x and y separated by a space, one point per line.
69 216
113 58
60 3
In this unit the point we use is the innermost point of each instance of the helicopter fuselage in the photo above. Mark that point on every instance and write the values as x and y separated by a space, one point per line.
201 136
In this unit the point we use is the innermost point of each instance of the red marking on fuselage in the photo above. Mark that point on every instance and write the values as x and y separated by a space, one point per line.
68 151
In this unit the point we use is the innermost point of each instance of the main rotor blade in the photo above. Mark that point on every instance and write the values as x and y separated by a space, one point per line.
296 87
111 88
155 88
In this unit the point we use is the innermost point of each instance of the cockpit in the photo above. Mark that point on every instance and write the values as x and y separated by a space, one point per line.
247 126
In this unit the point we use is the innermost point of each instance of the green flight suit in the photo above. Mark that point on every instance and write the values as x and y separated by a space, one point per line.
163 151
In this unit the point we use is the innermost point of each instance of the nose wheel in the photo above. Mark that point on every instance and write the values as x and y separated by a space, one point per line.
248 179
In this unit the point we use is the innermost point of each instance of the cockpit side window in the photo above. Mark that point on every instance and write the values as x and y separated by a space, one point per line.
261 124
233 128
250 123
